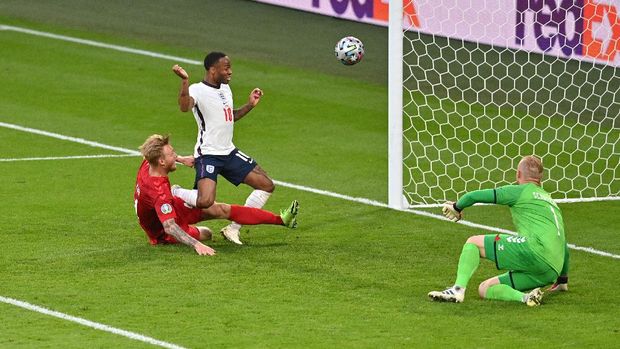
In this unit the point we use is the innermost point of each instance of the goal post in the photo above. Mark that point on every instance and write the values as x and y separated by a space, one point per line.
395 105
476 84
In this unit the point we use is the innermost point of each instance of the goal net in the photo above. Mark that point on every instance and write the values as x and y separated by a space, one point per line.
487 82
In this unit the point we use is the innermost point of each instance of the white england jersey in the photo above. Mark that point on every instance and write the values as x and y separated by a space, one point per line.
213 111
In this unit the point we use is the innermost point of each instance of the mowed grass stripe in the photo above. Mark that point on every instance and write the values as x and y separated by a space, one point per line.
331 96
364 201
286 184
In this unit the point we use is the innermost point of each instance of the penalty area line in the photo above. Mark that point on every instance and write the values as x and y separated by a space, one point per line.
99 44
68 138
88 323
70 157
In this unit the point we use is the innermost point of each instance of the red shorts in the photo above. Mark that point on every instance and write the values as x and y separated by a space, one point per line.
185 217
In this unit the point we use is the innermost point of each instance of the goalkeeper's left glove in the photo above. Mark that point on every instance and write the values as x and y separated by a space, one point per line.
451 211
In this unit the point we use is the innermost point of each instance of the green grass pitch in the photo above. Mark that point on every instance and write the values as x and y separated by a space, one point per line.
351 276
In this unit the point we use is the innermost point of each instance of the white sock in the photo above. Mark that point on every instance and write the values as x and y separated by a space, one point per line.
257 199
188 195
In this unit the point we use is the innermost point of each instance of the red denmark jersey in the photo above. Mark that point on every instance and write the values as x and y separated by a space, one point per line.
154 203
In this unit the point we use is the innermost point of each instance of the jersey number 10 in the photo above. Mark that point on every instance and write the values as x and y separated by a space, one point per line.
228 114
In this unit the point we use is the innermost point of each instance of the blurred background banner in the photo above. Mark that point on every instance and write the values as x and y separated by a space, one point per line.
577 29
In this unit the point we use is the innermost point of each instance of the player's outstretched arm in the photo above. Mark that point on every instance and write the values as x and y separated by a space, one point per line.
186 102
453 210
186 160
253 100
172 228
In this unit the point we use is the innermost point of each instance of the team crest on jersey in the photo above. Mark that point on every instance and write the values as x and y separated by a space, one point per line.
166 209
223 98
210 168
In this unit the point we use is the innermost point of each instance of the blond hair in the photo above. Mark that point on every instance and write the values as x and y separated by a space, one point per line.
153 148
531 167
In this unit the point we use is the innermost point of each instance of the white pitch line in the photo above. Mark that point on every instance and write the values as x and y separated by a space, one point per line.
70 157
100 44
559 201
88 323
68 138
430 215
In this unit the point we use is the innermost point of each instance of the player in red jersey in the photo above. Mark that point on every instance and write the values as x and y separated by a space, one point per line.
167 219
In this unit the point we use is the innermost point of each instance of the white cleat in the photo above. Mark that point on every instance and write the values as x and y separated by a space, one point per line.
534 298
231 235
452 294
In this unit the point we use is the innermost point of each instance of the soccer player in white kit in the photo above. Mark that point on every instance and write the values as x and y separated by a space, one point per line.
211 102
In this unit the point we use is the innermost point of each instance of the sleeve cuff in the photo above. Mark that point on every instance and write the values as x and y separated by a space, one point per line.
456 208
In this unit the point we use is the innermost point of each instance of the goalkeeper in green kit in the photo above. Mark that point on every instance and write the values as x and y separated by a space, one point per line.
535 257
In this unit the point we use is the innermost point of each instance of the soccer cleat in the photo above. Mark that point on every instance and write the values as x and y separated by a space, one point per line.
231 235
534 298
289 215
558 287
453 294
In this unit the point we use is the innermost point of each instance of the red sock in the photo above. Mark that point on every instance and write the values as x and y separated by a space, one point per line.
251 216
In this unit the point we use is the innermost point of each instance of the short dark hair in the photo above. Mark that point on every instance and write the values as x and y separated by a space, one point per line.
213 58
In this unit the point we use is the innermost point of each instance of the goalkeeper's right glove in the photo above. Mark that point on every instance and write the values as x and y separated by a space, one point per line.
451 211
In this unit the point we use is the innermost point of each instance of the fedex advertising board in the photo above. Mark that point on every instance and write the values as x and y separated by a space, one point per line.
578 29
586 29
367 11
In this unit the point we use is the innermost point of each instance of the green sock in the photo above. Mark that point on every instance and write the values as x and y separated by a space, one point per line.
468 263
504 293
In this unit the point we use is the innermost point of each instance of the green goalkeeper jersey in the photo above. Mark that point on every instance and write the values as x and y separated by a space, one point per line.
534 214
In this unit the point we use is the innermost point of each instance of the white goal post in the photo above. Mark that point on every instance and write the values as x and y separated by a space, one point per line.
395 105
476 84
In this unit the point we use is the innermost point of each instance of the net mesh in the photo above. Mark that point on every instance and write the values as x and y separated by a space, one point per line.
472 110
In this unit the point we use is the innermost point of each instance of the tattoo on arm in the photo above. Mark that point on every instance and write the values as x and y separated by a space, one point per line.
171 228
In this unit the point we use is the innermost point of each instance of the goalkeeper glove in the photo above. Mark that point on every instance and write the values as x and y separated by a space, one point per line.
451 211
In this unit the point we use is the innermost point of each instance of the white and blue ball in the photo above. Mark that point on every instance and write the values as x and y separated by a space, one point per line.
349 50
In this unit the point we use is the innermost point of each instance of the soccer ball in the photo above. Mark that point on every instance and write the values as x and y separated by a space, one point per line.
349 50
